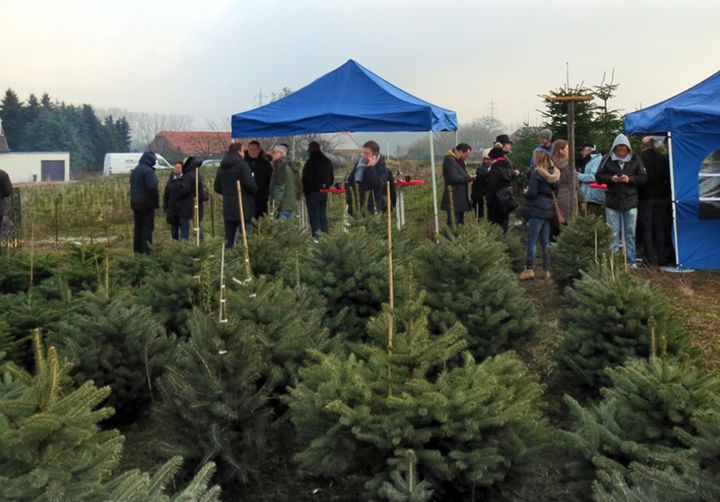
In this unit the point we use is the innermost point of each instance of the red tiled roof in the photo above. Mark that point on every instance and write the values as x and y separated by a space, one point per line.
195 142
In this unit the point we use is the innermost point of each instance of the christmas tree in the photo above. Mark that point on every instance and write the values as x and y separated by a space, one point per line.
580 247
118 343
275 248
647 421
610 319
468 279
403 421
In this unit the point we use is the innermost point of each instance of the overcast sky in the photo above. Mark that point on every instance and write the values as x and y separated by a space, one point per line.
210 58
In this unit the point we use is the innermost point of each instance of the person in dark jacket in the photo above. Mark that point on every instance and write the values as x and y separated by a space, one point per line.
455 200
499 185
478 190
654 203
144 199
367 181
191 168
5 192
283 186
622 172
262 171
178 203
542 187
317 174
233 169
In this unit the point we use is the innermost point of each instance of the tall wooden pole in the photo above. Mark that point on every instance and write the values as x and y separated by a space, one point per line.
571 156
197 206
246 250
392 288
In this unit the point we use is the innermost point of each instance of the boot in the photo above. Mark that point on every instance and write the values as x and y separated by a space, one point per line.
546 274
527 274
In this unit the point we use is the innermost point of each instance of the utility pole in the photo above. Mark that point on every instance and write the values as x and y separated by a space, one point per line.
492 110
259 98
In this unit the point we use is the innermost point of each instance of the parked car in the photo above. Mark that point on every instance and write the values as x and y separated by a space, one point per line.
211 163
123 163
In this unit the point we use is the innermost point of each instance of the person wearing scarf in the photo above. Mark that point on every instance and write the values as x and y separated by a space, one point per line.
622 171
543 186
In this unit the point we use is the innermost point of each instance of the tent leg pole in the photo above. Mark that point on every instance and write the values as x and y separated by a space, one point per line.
673 202
434 182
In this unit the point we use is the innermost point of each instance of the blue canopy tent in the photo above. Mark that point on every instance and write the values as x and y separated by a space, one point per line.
692 122
349 98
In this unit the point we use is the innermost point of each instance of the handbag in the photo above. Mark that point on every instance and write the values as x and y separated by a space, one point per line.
558 216
506 201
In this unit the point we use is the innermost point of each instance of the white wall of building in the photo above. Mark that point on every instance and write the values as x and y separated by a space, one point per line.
24 167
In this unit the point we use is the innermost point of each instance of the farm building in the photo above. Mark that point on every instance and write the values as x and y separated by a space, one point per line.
174 145
24 167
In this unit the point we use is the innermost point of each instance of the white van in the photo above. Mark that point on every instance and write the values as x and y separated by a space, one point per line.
123 163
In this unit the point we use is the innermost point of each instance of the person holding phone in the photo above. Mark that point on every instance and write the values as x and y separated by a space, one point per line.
367 180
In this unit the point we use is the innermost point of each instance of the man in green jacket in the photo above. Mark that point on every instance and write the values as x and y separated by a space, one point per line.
283 184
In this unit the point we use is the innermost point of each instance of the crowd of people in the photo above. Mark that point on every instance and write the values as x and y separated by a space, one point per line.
630 191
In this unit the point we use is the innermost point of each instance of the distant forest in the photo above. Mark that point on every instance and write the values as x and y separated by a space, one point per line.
44 126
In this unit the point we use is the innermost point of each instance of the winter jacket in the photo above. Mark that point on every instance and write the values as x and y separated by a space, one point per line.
5 190
457 178
190 169
594 195
658 176
500 176
565 188
178 199
317 173
262 171
478 188
144 193
233 169
371 189
547 148
541 187
283 185
621 196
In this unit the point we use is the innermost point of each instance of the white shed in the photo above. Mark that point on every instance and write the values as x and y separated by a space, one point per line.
24 167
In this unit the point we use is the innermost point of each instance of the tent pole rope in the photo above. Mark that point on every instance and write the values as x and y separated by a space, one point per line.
434 182
673 201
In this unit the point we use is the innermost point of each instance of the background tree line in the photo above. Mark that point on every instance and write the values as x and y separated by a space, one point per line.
43 126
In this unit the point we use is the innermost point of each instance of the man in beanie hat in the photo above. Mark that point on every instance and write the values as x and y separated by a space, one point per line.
284 187
545 144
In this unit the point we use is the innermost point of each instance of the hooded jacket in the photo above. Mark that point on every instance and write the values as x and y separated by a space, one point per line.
190 169
457 178
594 195
544 183
621 196
233 169
144 193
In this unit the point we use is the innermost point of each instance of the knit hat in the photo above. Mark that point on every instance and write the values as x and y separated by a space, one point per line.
486 152
282 147
496 153
546 134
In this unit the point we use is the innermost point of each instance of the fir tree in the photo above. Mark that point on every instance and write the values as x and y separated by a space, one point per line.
118 343
350 271
469 427
275 248
610 319
647 417
213 401
468 279
579 248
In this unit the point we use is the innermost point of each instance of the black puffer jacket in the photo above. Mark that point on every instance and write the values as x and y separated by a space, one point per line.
177 199
621 196
540 192
658 176
317 173
144 193
500 176
190 169
234 168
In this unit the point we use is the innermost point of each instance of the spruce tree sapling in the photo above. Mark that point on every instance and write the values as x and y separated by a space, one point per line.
610 319
468 279
469 427
580 247
118 343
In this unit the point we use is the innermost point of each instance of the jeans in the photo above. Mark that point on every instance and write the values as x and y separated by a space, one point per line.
144 226
317 211
285 215
458 220
654 228
538 228
623 225
181 230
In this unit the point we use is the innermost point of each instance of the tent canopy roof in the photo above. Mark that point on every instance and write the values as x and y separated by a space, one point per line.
694 110
349 98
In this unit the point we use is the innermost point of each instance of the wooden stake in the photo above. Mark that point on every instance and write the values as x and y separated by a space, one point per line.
392 288
32 251
197 206
222 311
246 250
